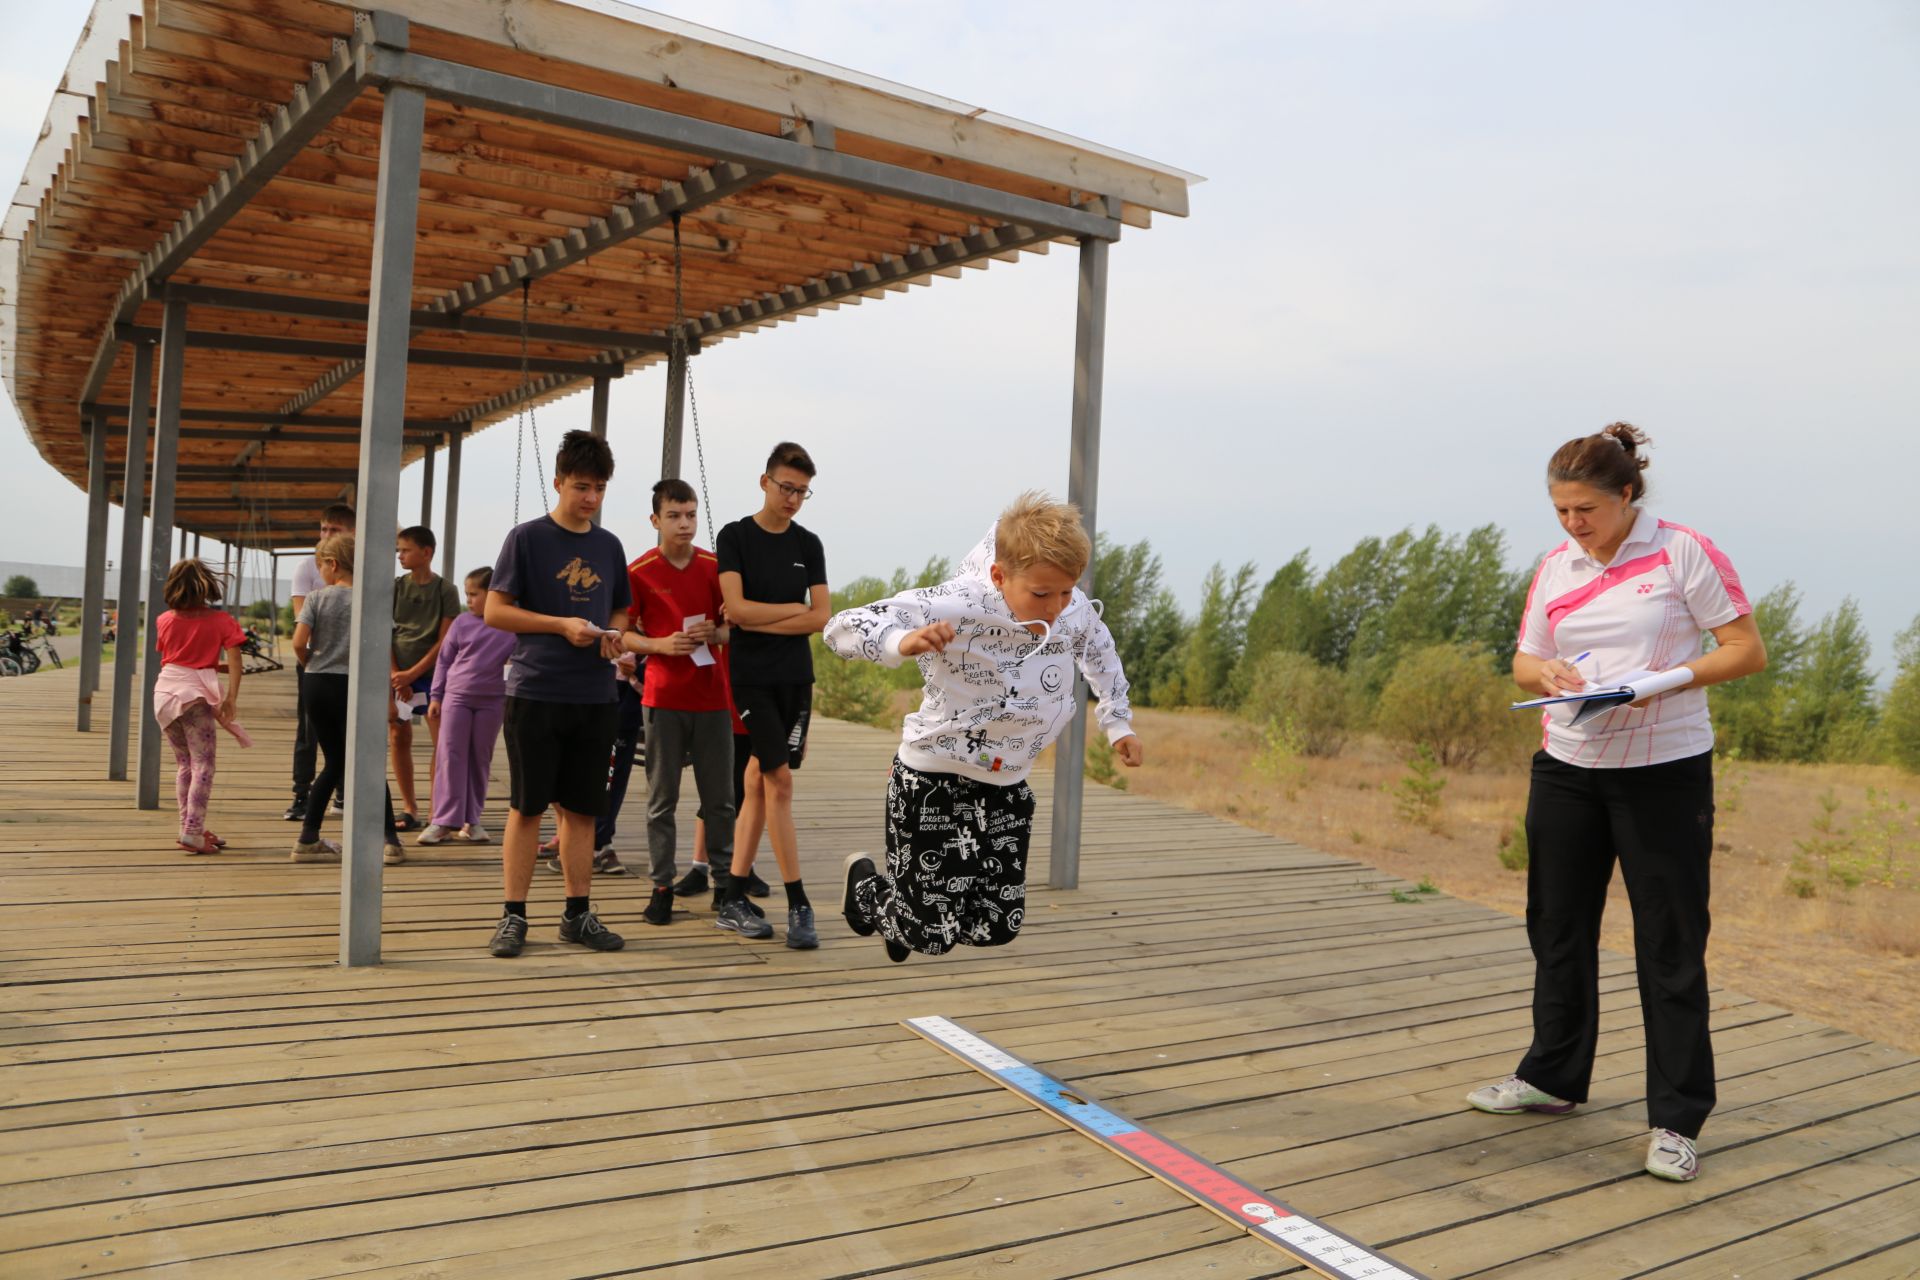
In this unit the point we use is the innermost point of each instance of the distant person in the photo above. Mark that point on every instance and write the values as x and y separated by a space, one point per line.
338 518
464 714
560 585
424 607
191 636
773 577
321 641
1625 598
998 646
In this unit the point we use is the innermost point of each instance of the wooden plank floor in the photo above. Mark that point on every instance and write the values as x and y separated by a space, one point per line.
189 1086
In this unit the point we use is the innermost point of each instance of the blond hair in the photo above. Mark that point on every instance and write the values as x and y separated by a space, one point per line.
1036 529
337 547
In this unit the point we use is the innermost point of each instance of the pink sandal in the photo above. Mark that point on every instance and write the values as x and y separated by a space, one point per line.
213 840
207 844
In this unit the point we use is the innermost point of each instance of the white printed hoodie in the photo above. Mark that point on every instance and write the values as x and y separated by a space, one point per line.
1000 693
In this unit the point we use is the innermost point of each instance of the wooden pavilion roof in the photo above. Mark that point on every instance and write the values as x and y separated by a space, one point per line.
228 154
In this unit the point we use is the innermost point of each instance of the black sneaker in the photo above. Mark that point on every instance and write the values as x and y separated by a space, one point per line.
736 916
587 930
296 812
660 906
800 931
897 951
694 883
756 887
859 867
509 937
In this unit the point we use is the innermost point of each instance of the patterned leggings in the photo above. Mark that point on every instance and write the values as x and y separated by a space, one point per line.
956 862
192 736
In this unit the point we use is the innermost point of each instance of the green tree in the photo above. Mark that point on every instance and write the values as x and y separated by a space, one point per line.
1828 712
1218 633
1900 713
1291 689
21 587
1749 714
1285 619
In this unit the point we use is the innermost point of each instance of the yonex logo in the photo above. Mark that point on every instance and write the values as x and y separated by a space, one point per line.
1645 588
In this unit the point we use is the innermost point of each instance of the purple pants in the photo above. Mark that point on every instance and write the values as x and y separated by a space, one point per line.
468 732
192 736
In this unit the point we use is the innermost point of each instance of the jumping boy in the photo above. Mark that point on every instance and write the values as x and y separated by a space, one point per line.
997 646
424 606
676 611
561 586
773 574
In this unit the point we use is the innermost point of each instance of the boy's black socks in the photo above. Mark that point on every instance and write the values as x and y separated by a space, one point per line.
576 907
515 909
796 894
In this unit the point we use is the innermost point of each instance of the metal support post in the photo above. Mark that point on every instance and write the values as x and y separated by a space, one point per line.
676 413
382 412
166 457
133 502
1083 483
273 602
597 422
93 585
449 565
426 488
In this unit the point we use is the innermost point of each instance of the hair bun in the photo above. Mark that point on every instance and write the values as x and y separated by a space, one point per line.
1626 435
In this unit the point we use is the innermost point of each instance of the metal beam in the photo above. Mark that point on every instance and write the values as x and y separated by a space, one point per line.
594 114
450 526
333 85
282 304
383 407
166 453
289 475
263 417
126 643
93 587
671 425
270 344
426 488
1083 485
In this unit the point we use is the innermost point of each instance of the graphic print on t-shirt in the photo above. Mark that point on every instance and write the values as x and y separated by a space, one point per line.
580 579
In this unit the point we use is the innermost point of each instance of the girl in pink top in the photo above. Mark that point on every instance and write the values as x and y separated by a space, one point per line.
1627 600
190 637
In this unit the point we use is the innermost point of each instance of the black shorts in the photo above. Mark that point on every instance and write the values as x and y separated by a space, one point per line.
777 717
557 754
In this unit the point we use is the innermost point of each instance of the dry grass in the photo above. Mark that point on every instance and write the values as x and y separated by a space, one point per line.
1850 957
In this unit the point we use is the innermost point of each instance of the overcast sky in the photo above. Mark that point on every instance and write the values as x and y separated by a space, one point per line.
1435 241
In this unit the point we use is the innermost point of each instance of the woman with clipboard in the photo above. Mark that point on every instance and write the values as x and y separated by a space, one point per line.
1633 596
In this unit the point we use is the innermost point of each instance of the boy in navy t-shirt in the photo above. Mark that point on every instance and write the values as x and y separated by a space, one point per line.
561 586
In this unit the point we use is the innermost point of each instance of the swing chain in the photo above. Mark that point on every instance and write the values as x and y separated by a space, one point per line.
527 418
680 354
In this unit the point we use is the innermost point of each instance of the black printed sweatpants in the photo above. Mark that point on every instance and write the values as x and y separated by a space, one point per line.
956 862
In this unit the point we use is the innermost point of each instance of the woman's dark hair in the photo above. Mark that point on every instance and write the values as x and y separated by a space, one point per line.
1611 460
585 455
191 585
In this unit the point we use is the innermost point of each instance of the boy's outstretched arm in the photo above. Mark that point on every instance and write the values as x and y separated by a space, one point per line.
1099 662
888 631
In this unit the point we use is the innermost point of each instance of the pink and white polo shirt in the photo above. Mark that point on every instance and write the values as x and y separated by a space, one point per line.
1647 611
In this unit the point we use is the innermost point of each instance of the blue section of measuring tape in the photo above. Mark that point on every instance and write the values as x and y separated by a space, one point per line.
1096 1119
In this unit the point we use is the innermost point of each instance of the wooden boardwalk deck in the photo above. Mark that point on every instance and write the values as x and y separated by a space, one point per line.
190 1087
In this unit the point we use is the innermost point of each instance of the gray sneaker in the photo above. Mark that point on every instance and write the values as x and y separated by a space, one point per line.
1672 1157
1513 1095
434 834
509 937
737 916
318 851
800 934
587 930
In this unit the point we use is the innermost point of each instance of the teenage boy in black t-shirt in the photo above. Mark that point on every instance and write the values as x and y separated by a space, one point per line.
561 585
773 576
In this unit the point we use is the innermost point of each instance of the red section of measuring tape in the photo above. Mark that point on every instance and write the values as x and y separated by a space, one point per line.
1199 1179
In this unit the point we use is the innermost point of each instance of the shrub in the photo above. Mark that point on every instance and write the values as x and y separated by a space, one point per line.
1278 759
1443 699
1513 846
1292 688
850 690
1416 796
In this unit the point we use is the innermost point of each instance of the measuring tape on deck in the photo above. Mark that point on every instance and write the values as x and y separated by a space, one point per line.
1252 1210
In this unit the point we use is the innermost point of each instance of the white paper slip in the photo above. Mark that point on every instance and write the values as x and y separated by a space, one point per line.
703 656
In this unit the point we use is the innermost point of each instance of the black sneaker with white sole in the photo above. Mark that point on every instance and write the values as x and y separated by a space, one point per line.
801 935
509 937
587 930
859 869
737 916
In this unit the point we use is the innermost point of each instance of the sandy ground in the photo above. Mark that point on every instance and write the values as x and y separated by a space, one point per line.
1847 956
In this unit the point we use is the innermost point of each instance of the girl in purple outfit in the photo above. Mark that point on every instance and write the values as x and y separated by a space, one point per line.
464 710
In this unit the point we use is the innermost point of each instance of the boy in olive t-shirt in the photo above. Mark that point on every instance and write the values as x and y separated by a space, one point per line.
424 606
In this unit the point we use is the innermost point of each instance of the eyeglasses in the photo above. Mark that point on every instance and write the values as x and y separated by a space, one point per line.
791 490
